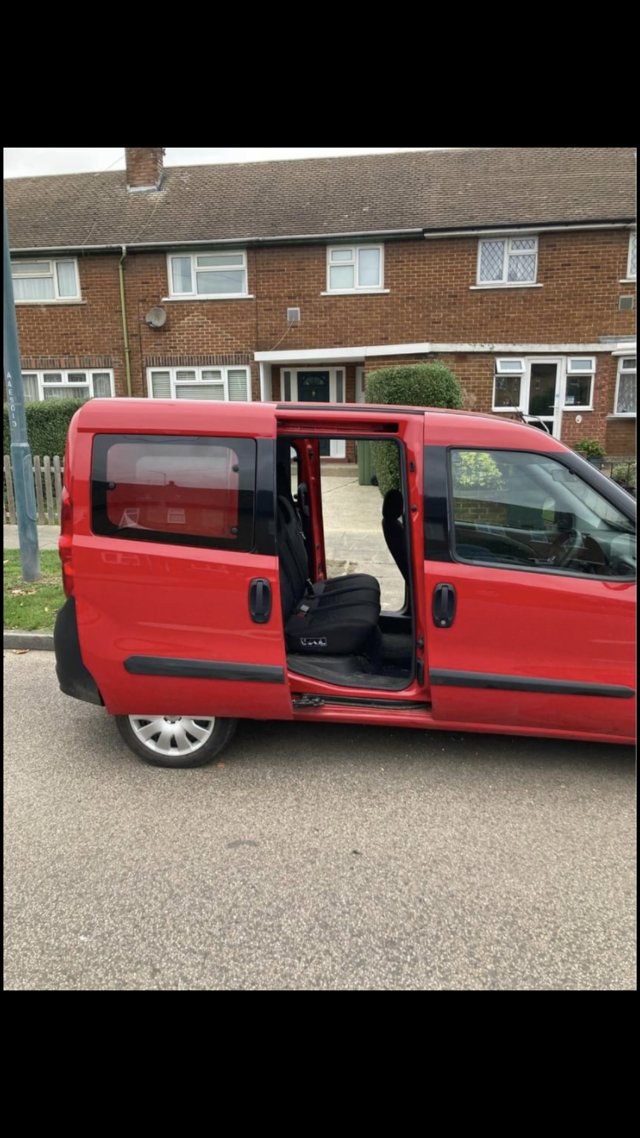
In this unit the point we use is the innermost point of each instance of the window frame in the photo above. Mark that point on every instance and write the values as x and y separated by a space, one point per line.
592 478
500 371
193 257
578 372
507 238
247 495
65 381
627 371
357 248
225 369
53 262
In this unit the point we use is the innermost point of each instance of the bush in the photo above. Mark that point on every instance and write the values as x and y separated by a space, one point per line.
590 448
416 385
625 473
47 425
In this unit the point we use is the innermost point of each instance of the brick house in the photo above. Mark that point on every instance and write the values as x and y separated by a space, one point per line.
292 280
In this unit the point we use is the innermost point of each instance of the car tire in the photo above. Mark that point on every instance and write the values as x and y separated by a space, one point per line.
178 741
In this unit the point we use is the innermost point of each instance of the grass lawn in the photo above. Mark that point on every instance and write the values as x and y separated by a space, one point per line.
32 606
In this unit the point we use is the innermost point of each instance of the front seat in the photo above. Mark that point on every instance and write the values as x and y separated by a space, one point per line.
393 530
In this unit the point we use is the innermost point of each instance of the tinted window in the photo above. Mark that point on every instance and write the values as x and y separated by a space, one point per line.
185 491
530 511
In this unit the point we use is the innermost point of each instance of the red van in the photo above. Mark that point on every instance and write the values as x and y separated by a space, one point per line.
193 559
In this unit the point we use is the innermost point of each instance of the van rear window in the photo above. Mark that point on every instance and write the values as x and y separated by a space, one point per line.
175 489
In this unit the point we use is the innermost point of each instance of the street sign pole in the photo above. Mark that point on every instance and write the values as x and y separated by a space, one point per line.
21 462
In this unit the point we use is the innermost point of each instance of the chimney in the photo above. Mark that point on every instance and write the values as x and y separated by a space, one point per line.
144 168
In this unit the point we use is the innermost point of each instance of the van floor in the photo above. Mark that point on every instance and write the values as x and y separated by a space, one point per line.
386 664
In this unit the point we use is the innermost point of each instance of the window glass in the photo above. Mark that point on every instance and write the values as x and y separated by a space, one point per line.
181 274
30 384
101 384
238 378
66 271
368 267
524 510
506 391
578 391
199 391
189 491
626 387
508 260
343 277
36 288
220 281
161 384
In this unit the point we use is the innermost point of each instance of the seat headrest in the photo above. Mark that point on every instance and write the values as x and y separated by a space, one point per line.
392 505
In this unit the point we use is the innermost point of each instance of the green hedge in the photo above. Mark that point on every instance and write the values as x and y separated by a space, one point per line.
47 425
416 385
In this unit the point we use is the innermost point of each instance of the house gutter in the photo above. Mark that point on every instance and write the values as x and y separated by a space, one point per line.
544 227
368 235
125 328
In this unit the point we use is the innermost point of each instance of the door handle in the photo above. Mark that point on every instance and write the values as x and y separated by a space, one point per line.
444 605
260 600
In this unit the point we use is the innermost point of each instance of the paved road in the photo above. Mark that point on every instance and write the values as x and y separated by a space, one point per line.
340 858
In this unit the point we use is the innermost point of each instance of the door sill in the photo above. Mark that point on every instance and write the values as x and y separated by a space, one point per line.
306 701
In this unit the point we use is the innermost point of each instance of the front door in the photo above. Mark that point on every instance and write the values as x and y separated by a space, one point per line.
531 594
542 394
323 386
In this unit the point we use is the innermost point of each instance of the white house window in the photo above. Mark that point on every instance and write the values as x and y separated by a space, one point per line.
579 387
224 384
633 249
213 275
41 385
626 387
508 260
41 280
354 268
507 385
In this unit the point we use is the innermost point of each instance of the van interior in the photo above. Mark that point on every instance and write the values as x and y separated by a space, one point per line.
336 628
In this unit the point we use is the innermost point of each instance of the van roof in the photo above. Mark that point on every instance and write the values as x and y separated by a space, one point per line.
153 416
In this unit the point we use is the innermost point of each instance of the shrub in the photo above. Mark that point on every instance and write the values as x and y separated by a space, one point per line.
47 425
415 385
590 448
625 473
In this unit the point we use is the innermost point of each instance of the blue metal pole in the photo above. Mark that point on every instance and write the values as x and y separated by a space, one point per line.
21 461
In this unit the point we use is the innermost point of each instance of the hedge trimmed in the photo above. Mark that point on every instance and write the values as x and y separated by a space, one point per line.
415 385
47 425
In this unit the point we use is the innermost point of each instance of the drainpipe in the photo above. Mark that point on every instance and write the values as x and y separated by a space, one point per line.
125 329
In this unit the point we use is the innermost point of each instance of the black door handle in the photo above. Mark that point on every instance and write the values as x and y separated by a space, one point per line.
260 600
444 605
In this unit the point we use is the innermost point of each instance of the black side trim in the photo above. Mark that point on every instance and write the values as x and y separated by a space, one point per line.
203 669
436 505
443 677
73 677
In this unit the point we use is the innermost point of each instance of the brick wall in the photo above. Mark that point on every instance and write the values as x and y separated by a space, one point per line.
429 299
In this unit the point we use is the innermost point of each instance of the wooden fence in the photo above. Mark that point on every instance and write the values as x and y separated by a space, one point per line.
47 474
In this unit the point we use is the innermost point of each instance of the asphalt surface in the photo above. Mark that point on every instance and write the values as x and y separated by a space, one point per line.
310 858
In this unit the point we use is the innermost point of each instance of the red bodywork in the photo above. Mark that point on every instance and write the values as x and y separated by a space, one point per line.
155 599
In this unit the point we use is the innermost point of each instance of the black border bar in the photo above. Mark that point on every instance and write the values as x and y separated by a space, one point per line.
203 669
448 678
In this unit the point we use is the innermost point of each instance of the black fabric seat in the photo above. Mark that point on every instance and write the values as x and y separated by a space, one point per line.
335 617
393 529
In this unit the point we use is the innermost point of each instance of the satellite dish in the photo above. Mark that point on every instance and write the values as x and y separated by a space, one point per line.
156 317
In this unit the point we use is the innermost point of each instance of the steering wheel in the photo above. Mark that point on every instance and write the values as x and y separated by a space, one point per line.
566 550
